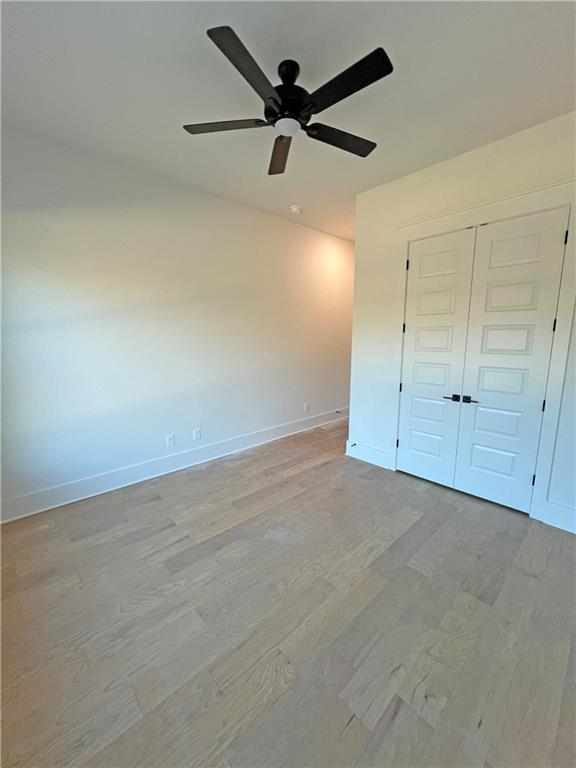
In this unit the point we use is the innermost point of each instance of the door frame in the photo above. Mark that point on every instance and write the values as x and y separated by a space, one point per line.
557 196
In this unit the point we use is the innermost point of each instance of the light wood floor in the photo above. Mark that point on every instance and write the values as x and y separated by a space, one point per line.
287 606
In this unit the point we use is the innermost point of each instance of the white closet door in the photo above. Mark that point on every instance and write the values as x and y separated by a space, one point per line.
517 270
437 301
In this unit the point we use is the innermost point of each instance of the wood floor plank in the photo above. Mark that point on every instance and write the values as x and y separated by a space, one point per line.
451 746
429 683
357 560
290 718
167 671
479 575
323 624
408 544
122 653
241 703
473 712
162 736
399 738
334 740
466 527
381 673
286 616
526 733
80 730
564 755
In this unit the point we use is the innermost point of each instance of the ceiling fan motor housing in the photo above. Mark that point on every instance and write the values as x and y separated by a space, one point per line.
295 101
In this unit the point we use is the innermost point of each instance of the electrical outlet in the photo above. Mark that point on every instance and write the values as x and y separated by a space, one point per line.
170 440
306 407
196 434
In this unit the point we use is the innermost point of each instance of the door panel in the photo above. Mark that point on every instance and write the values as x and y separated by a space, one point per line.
517 270
437 301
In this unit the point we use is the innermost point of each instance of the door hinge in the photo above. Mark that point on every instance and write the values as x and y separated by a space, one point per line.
543 405
400 386
554 325
403 327
533 479
565 237
397 443
407 263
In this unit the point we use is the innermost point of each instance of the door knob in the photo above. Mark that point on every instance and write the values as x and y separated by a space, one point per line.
455 398
468 399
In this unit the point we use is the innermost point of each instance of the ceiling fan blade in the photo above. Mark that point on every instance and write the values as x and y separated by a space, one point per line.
347 141
225 125
279 155
237 53
368 70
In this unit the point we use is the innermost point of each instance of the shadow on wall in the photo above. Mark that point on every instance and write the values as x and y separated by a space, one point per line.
134 308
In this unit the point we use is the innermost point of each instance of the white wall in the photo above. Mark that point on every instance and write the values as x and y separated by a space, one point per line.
538 158
134 308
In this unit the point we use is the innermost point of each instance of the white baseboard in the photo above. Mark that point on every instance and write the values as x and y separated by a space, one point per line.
83 488
376 456
555 515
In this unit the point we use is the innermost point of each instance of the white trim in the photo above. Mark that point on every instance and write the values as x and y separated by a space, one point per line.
83 488
372 455
544 508
555 515
520 205
562 186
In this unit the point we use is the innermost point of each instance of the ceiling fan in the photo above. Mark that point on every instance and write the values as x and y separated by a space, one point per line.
288 107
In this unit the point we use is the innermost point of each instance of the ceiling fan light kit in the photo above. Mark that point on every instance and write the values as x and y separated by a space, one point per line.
287 126
289 107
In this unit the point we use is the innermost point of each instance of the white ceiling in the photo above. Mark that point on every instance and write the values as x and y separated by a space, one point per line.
122 78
